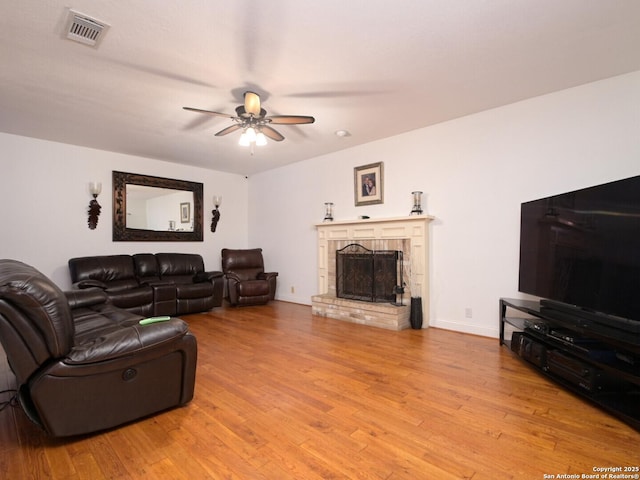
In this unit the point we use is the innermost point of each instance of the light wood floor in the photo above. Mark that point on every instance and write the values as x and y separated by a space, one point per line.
281 394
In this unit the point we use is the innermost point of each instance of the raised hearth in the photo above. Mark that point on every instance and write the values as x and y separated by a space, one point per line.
383 315
407 234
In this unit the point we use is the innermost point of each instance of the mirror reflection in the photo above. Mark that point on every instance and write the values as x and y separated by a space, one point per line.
148 208
152 208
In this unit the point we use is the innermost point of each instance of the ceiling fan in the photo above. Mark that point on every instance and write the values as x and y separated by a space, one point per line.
252 119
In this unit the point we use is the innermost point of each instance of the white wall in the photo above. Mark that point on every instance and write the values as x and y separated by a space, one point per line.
475 171
44 198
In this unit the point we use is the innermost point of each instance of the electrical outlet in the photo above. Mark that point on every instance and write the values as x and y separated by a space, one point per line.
468 312
293 289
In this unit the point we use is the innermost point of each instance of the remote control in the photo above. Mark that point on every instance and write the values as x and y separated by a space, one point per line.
147 321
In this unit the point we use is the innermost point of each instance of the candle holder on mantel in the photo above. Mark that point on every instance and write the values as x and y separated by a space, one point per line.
328 212
417 203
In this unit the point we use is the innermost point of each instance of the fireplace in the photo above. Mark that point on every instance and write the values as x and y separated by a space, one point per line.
368 275
407 236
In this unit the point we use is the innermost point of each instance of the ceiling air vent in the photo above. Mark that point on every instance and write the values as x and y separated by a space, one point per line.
84 29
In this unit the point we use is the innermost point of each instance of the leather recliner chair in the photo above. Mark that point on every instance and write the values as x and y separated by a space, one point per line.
246 281
82 364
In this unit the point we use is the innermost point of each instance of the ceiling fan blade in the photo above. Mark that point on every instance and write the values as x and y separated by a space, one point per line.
208 112
230 129
290 119
252 103
272 134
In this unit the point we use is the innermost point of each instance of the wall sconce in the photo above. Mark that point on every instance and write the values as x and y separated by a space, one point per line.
94 207
217 201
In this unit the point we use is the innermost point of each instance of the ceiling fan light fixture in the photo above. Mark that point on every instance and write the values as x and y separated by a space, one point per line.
244 140
261 139
251 137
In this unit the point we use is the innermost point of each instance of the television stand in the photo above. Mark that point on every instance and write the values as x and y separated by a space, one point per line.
618 323
599 362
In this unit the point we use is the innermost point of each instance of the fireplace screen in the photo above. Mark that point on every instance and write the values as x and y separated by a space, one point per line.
368 275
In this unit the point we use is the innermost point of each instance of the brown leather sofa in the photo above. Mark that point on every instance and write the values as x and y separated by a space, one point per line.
83 365
246 281
151 284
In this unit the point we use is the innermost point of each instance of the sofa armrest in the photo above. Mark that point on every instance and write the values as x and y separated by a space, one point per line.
206 276
271 278
232 277
86 298
267 275
90 283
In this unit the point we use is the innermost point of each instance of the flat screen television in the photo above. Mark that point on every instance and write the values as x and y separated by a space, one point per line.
582 248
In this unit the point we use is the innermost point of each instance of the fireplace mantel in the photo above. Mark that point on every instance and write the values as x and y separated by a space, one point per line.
411 219
414 228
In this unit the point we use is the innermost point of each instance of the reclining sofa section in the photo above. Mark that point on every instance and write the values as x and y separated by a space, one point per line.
151 284
83 365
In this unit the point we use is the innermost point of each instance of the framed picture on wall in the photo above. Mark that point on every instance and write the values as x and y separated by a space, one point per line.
368 184
185 212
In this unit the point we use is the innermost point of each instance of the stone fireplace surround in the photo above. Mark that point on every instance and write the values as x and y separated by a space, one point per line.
408 234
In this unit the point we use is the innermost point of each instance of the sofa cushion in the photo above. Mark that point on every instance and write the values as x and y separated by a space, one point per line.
179 279
170 264
246 274
106 268
252 288
122 285
111 333
146 267
194 290
233 260
134 297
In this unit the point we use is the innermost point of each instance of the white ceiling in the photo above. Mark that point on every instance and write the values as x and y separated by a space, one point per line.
373 67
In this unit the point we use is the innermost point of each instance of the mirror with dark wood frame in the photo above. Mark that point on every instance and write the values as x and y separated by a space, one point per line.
148 208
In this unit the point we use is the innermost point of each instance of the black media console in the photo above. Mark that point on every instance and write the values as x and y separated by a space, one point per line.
595 356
